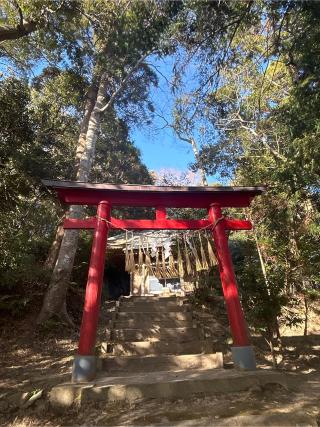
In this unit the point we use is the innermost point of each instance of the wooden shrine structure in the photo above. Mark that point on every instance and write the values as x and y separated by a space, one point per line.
106 196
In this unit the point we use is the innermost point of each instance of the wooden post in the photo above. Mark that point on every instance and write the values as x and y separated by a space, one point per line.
242 351
91 310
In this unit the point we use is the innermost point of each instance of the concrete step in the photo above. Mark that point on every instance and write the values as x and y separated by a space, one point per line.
152 317
164 384
169 334
133 364
153 308
147 348
147 323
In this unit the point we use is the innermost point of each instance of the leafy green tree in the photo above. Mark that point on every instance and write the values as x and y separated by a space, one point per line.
265 132
31 148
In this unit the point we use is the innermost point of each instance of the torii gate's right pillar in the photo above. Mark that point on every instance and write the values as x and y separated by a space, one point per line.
242 352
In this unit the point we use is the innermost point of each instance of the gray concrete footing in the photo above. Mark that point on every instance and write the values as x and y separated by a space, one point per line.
244 357
84 368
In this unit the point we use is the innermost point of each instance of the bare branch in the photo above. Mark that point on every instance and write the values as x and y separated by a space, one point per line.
262 138
190 140
162 75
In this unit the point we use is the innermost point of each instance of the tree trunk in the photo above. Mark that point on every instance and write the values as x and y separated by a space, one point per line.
306 315
89 105
14 33
54 249
278 335
196 155
262 262
269 339
55 298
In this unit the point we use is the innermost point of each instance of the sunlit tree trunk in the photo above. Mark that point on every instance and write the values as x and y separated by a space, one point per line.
197 157
89 105
55 298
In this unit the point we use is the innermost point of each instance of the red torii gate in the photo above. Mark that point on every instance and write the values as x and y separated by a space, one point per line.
105 196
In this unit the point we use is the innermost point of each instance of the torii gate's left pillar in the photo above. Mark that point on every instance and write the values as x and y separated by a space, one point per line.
85 362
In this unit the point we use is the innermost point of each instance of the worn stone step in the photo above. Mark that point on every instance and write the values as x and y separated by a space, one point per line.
153 308
133 364
152 317
147 323
170 334
158 303
146 348
164 384
152 298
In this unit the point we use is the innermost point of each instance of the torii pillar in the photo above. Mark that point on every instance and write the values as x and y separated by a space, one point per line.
242 352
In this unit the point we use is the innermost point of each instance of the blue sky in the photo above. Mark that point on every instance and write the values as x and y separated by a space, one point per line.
160 147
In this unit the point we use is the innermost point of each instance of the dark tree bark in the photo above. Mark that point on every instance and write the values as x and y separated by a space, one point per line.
17 32
54 249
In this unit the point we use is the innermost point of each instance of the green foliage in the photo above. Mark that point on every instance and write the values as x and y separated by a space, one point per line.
262 302
68 47
258 103
27 216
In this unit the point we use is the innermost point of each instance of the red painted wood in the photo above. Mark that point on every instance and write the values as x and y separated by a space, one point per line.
237 224
237 321
91 309
176 224
158 224
154 224
174 200
80 223
161 212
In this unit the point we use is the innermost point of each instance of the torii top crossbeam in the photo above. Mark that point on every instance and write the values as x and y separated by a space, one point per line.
80 193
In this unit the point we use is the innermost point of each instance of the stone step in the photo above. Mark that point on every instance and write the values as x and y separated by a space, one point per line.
152 298
164 384
132 364
147 323
159 303
147 348
169 334
153 308
152 317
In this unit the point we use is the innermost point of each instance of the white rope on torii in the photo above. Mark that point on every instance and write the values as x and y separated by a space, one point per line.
153 249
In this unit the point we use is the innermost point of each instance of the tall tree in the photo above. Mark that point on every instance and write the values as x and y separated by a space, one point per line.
124 33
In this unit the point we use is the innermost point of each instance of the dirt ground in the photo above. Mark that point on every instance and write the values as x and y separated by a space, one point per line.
32 362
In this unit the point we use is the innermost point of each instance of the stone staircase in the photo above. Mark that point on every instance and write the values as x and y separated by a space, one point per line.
148 334
156 348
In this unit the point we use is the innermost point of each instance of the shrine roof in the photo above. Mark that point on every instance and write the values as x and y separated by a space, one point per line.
83 193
